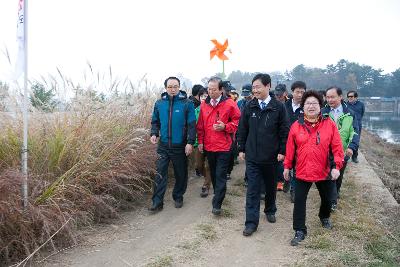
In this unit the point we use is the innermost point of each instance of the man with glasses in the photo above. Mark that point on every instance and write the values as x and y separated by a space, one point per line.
262 134
347 125
358 108
174 123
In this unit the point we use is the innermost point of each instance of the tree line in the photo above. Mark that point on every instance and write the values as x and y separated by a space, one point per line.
345 74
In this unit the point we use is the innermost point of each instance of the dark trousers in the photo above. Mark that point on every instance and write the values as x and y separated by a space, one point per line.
355 152
232 157
179 160
218 163
279 171
256 174
336 185
300 200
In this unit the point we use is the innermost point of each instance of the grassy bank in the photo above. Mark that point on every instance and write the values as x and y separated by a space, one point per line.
85 164
360 237
384 158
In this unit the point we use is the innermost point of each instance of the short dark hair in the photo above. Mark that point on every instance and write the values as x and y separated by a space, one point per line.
171 78
354 92
196 88
337 88
311 93
265 78
216 79
202 91
298 84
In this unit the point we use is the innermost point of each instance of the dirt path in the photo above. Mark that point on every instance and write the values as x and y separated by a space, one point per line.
192 236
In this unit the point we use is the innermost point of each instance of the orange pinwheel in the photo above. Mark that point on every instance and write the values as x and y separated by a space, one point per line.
219 50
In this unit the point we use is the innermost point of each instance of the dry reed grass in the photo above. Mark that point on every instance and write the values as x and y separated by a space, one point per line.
85 164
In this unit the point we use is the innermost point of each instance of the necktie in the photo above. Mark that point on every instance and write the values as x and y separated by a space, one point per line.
213 102
263 105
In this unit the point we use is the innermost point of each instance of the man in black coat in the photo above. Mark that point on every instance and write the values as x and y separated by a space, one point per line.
294 110
262 135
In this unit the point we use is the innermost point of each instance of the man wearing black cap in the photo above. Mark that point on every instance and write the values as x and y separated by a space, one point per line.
246 94
281 93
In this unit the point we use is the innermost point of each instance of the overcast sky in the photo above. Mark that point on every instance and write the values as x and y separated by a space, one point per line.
163 38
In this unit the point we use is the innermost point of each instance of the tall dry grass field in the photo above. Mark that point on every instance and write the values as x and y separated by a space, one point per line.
85 164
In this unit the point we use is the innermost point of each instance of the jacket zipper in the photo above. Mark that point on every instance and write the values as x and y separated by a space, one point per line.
170 123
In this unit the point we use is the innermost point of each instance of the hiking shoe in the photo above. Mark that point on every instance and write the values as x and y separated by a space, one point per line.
248 231
156 208
286 186
178 204
228 176
216 211
298 237
204 192
326 223
279 186
292 196
198 173
355 160
271 218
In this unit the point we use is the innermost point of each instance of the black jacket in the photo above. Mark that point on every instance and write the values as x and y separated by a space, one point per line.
195 101
262 134
293 116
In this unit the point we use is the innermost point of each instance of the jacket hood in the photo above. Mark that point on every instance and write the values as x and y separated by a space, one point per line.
181 95
324 116
195 101
325 111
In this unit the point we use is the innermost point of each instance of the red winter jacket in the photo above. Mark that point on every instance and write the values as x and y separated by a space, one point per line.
226 111
310 148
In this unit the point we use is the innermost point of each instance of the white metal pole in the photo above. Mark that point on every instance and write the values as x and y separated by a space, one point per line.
25 111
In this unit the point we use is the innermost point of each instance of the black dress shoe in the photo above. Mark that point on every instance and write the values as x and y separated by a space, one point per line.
156 208
204 191
216 211
298 237
178 204
326 223
271 218
248 231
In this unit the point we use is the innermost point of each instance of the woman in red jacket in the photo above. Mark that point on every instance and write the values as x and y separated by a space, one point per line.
315 147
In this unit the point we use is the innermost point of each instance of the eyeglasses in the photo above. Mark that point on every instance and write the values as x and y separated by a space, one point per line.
311 104
173 87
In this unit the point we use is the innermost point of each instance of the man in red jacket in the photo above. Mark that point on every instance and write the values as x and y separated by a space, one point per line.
218 120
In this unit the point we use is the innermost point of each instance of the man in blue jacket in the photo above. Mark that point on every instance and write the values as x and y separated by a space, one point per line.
358 108
174 123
